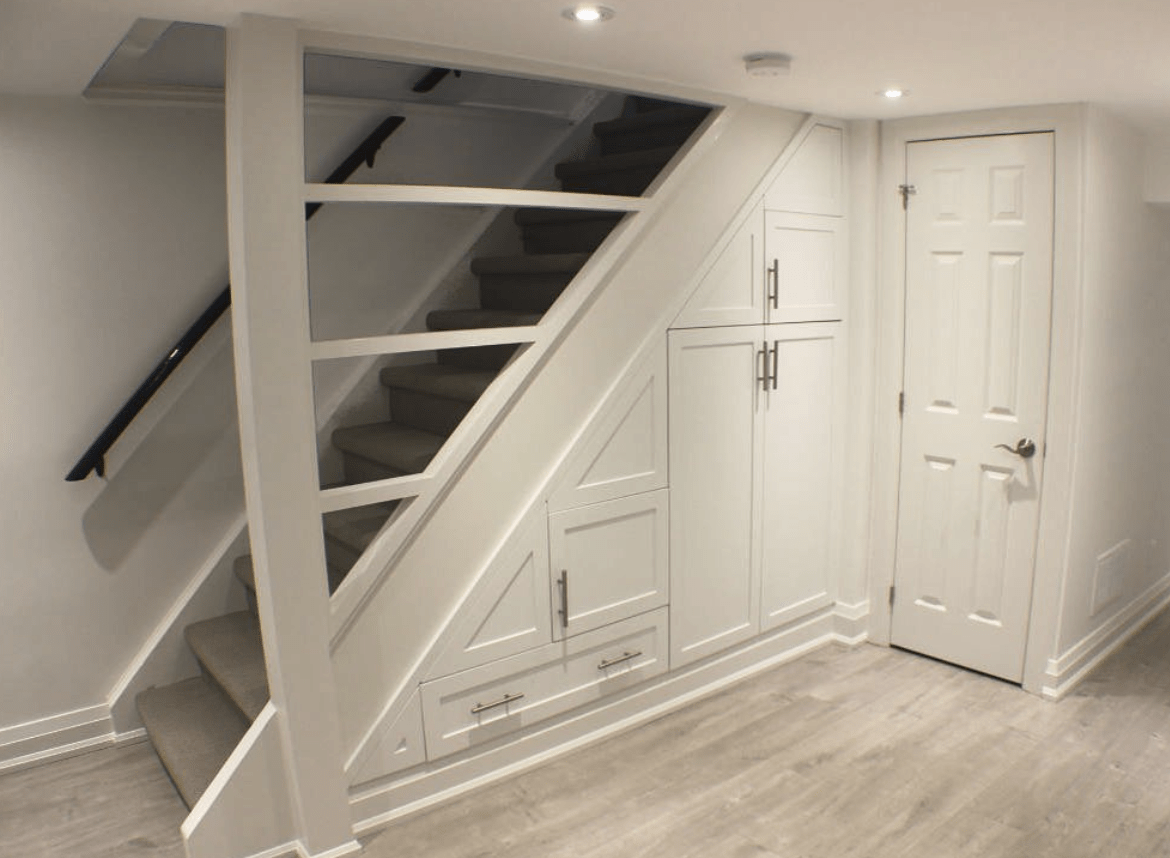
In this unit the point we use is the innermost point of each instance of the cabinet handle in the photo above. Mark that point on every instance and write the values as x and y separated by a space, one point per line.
564 609
624 657
762 356
774 284
775 362
503 701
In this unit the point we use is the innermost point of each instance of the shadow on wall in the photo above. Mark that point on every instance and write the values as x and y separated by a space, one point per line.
192 450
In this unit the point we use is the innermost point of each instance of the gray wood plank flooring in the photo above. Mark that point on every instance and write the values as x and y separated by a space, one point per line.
864 753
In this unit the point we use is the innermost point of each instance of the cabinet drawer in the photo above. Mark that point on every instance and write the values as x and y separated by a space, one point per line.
477 705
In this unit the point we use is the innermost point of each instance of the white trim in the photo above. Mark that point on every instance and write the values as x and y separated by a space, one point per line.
452 195
68 734
423 341
1067 670
363 494
434 783
351 848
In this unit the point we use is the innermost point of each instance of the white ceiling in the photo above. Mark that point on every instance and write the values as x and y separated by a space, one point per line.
951 55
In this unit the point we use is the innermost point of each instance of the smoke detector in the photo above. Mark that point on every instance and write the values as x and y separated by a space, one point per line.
767 65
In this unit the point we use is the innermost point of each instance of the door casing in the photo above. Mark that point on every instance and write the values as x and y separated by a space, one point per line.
1066 123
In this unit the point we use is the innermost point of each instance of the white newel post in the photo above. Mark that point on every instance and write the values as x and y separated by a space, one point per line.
266 220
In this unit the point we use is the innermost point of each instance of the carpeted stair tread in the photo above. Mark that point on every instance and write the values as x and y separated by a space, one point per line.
607 164
194 729
681 114
356 528
460 320
399 448
548 263
246 573
230 649
448 382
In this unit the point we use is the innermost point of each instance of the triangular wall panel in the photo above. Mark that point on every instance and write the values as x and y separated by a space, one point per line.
624 452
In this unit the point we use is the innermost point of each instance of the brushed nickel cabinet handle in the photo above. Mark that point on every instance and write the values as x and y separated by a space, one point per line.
564 608
503 701
624 657
774 284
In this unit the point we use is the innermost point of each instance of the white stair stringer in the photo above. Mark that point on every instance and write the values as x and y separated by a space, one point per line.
388 628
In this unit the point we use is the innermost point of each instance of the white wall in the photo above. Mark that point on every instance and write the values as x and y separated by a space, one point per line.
111 241
1122 448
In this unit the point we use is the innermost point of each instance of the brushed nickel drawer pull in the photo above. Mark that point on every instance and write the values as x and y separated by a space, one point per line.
564 608
624 657
503 701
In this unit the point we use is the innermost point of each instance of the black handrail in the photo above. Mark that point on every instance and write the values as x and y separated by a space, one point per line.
94 459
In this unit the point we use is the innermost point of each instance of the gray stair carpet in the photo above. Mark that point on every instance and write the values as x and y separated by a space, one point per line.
626 174
194 729
458 320
666 127
396 448
231 652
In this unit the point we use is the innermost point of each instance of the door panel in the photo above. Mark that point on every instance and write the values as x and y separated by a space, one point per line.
715 454
978 303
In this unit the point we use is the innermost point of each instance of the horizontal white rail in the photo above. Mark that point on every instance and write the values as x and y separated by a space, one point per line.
423 341
448 195
364 494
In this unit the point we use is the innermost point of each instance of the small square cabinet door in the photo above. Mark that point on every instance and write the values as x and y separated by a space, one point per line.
805 255
609 561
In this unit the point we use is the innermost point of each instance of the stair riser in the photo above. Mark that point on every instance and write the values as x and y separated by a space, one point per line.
340 559
209 677
628 183
481 357
429 413
533 293
359 469
581 237
650 138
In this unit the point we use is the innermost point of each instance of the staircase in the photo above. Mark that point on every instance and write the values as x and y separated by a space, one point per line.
196 723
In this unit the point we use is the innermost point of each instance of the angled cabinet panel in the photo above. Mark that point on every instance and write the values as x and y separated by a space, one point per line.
806 259
716 434
609 561
624 453
812 181
732 290
400 746
508 612
799 474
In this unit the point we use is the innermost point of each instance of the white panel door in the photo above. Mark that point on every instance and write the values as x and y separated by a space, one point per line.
978 302
609 561
799 472
716 436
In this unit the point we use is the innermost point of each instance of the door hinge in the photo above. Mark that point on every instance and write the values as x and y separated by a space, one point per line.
906 191
901 403
891 596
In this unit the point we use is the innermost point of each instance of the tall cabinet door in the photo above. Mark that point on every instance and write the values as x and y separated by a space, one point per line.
716 414
799 472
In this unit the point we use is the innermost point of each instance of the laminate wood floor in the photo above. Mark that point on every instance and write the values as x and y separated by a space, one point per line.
863 753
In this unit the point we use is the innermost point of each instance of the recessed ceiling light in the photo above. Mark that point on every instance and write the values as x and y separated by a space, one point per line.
587 14
767 65
894 92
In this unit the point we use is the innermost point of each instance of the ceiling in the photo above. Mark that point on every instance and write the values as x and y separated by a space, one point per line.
949 55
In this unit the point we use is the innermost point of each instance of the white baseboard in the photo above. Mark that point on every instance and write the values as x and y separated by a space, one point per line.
1067 670
851 622
56 737
377 804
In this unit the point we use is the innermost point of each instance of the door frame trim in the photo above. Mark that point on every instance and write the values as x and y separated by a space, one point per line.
1052 542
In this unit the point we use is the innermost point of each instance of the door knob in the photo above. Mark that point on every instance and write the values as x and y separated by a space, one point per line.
1025 448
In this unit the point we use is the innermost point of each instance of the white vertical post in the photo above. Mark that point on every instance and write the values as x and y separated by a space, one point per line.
266 220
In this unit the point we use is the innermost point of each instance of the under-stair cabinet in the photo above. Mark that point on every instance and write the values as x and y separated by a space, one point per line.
756 405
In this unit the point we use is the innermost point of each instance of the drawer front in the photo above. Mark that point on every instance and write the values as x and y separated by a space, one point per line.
465 709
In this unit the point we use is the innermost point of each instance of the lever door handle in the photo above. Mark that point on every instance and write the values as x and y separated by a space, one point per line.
1025 448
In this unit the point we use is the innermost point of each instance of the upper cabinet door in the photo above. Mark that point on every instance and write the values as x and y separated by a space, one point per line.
732 290
609 561
807 260
812 182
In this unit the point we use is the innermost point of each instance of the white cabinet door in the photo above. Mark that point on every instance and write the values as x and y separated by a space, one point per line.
609 561
813 180
715 454
806 259
799 472
732 290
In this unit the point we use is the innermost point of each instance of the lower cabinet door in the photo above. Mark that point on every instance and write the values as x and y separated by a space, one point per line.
608 561
477 705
